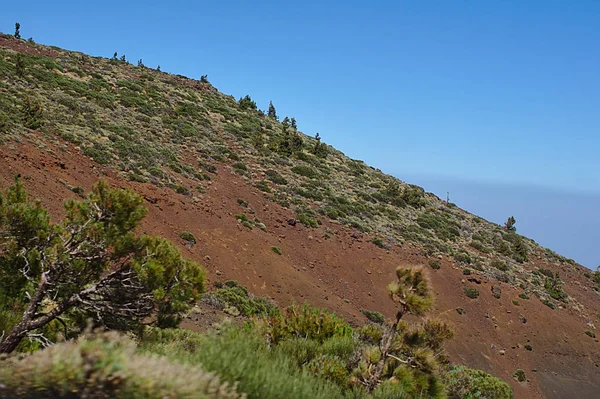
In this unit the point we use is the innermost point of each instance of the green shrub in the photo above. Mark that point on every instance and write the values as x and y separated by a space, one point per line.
461 311
277 250
307 220
519 375
108 366
500 265
590 333
263 186
187 236
523 295
234 295
276 177
308 322
380 243
434 264
240 166
516 302
528 347
241 356
373 316
443 226
462 382
466 272
305 171
548 303
478 245
463 257
470 292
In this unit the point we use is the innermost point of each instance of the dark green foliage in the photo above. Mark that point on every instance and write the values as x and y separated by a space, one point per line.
548 303
523 295
305 171
500 265
373 316
478 245
461 311
471 292
519 375
19 65
463 257
17 30
553 286
528 347
247 103
443 226
204 79
277 250
510 224
92 263
319 149
32 113
276 177
434 264
189 237
307 220
240 166
590 333
380 243
233 294
462 382
466 272
308 323
272 113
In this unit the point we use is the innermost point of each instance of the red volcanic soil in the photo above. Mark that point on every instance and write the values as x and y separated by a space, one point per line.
345 272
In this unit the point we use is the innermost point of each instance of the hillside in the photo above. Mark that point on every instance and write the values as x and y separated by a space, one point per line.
243 182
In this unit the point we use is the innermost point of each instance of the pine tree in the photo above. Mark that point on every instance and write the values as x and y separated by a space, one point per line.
140 63
19 65
510 224
17 30
90 264
115 56
293 121
272 113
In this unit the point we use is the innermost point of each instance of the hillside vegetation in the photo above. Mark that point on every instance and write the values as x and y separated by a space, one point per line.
157 127
93 262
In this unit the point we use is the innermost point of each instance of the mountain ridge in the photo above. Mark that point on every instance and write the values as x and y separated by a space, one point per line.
181 138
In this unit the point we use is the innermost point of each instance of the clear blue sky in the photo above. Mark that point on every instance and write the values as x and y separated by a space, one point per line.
484 91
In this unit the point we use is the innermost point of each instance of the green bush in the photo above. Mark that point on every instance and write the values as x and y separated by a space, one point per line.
276 177
108 366
434 264
380 243
373 316
442 225
500 265
470 292
241 356
548 303
307 220
277 250
462 382
528 347
305 171
233 294
187 236
590 333
519 375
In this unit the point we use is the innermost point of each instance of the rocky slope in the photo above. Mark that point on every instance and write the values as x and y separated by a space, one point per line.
243 182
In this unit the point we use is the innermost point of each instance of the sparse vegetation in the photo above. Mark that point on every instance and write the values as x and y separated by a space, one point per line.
471 292
434 264
519 375
590 333
277 250
373 316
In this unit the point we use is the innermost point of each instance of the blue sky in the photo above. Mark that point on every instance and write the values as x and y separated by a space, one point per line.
493 93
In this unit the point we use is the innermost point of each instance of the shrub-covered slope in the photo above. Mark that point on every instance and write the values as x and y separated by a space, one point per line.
183 137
